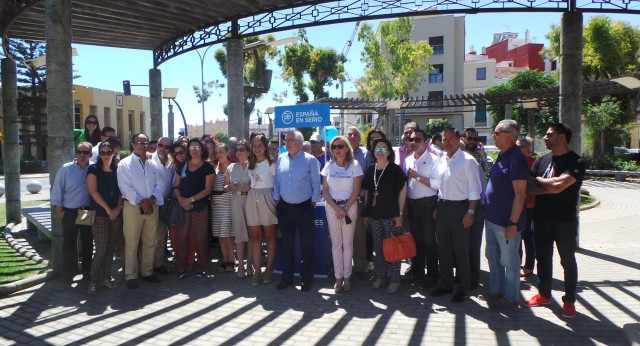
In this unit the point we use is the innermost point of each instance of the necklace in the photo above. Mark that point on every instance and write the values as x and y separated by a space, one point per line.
376 181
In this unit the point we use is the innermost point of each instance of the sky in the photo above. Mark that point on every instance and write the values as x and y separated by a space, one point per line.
106 68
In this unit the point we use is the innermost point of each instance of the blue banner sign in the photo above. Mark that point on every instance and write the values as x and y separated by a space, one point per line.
310 115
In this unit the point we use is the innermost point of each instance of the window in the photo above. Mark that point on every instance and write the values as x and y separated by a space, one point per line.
554 65
435 99
481 73
437 43
480 118
436 75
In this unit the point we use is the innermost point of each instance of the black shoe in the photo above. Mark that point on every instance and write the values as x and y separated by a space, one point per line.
440 291
415 278
282 285
86 277
428 284
474 285
459 297
305 287
162 270
151 278
132 284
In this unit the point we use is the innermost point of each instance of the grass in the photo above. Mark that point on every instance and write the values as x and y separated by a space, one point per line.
3 209
586 200
14 266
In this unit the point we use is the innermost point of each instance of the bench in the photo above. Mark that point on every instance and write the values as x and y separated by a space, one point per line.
39 218
618 175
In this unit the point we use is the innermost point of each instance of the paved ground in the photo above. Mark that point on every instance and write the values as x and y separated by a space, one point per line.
222 309
25 195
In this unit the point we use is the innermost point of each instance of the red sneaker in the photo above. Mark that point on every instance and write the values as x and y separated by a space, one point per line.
538 300
569 310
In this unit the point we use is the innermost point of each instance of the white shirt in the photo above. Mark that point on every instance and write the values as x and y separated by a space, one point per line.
262 176
458 177
168 170
427 167
340 179
140 180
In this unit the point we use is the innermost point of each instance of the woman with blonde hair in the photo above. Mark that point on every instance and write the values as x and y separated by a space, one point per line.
260 208
237 181
341 188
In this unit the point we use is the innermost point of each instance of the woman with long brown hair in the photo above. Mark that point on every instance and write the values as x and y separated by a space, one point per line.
221 226
192 188
260 208
237 181
102 182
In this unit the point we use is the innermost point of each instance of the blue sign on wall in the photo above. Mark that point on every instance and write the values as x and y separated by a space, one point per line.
302 116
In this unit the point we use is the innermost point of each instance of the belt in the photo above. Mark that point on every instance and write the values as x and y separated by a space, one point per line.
240 193
217 193
303 204
340 202
423 198
446 201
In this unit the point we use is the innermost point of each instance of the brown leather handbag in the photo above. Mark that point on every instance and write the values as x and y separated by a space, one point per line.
400 247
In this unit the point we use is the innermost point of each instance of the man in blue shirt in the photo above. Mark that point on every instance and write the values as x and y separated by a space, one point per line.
296 191
69 193
504 219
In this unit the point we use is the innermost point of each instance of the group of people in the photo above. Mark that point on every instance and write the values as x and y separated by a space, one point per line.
251 193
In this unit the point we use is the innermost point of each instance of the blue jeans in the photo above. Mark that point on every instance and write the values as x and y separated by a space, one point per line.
504 261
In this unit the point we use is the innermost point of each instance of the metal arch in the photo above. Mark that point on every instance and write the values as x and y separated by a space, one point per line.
12 11
354 10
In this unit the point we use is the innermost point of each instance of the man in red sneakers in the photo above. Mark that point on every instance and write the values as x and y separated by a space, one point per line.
555 180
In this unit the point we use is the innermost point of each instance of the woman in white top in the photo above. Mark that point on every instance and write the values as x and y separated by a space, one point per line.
341 188
260 208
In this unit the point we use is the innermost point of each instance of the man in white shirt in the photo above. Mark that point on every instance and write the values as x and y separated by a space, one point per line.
459 190
106 133
422 169
140 181
161 157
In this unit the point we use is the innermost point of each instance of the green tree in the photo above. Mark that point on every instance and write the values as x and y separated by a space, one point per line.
31 91
255 62
545 115
394 64
610 48
222 137
607 125
437 125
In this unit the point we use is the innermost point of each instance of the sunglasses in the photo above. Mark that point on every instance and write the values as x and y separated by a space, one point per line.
141 143
337 146
83 152
178 153
383 150
194 147
472 138
549 134
241 150
417 140
91 122
314 142
106 153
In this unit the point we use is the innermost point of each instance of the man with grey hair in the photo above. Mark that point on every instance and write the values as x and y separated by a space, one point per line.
504 214
168 169
296 191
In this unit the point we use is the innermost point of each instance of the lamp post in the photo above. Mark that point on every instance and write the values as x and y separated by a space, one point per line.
202 98
171 94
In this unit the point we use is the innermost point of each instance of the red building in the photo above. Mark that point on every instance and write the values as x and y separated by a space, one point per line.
518 52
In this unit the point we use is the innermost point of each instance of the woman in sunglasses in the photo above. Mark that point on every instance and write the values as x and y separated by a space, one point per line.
341 188
238 183
192 188
91 132
178 154
386 187
102 182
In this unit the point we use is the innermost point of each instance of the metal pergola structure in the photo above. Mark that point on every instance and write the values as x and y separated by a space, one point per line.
174 27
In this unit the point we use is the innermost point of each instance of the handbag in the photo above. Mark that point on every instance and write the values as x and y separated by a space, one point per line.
85 217
397 248
171 213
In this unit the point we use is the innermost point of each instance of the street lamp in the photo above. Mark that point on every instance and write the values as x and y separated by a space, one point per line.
202 98
268 113
171 94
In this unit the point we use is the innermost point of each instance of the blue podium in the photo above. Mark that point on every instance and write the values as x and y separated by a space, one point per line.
322 259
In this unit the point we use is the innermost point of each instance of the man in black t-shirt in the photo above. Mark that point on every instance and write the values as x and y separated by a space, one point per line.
555 180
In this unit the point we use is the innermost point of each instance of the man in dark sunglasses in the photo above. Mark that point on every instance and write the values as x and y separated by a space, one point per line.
405 148
474 146
68 194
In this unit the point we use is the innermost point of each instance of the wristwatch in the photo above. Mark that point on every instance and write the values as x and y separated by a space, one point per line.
471 211
418 178
511 223
193 200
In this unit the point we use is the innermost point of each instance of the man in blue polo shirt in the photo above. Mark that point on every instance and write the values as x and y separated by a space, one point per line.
504 216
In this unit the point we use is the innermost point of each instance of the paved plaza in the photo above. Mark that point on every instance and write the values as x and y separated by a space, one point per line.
222 309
